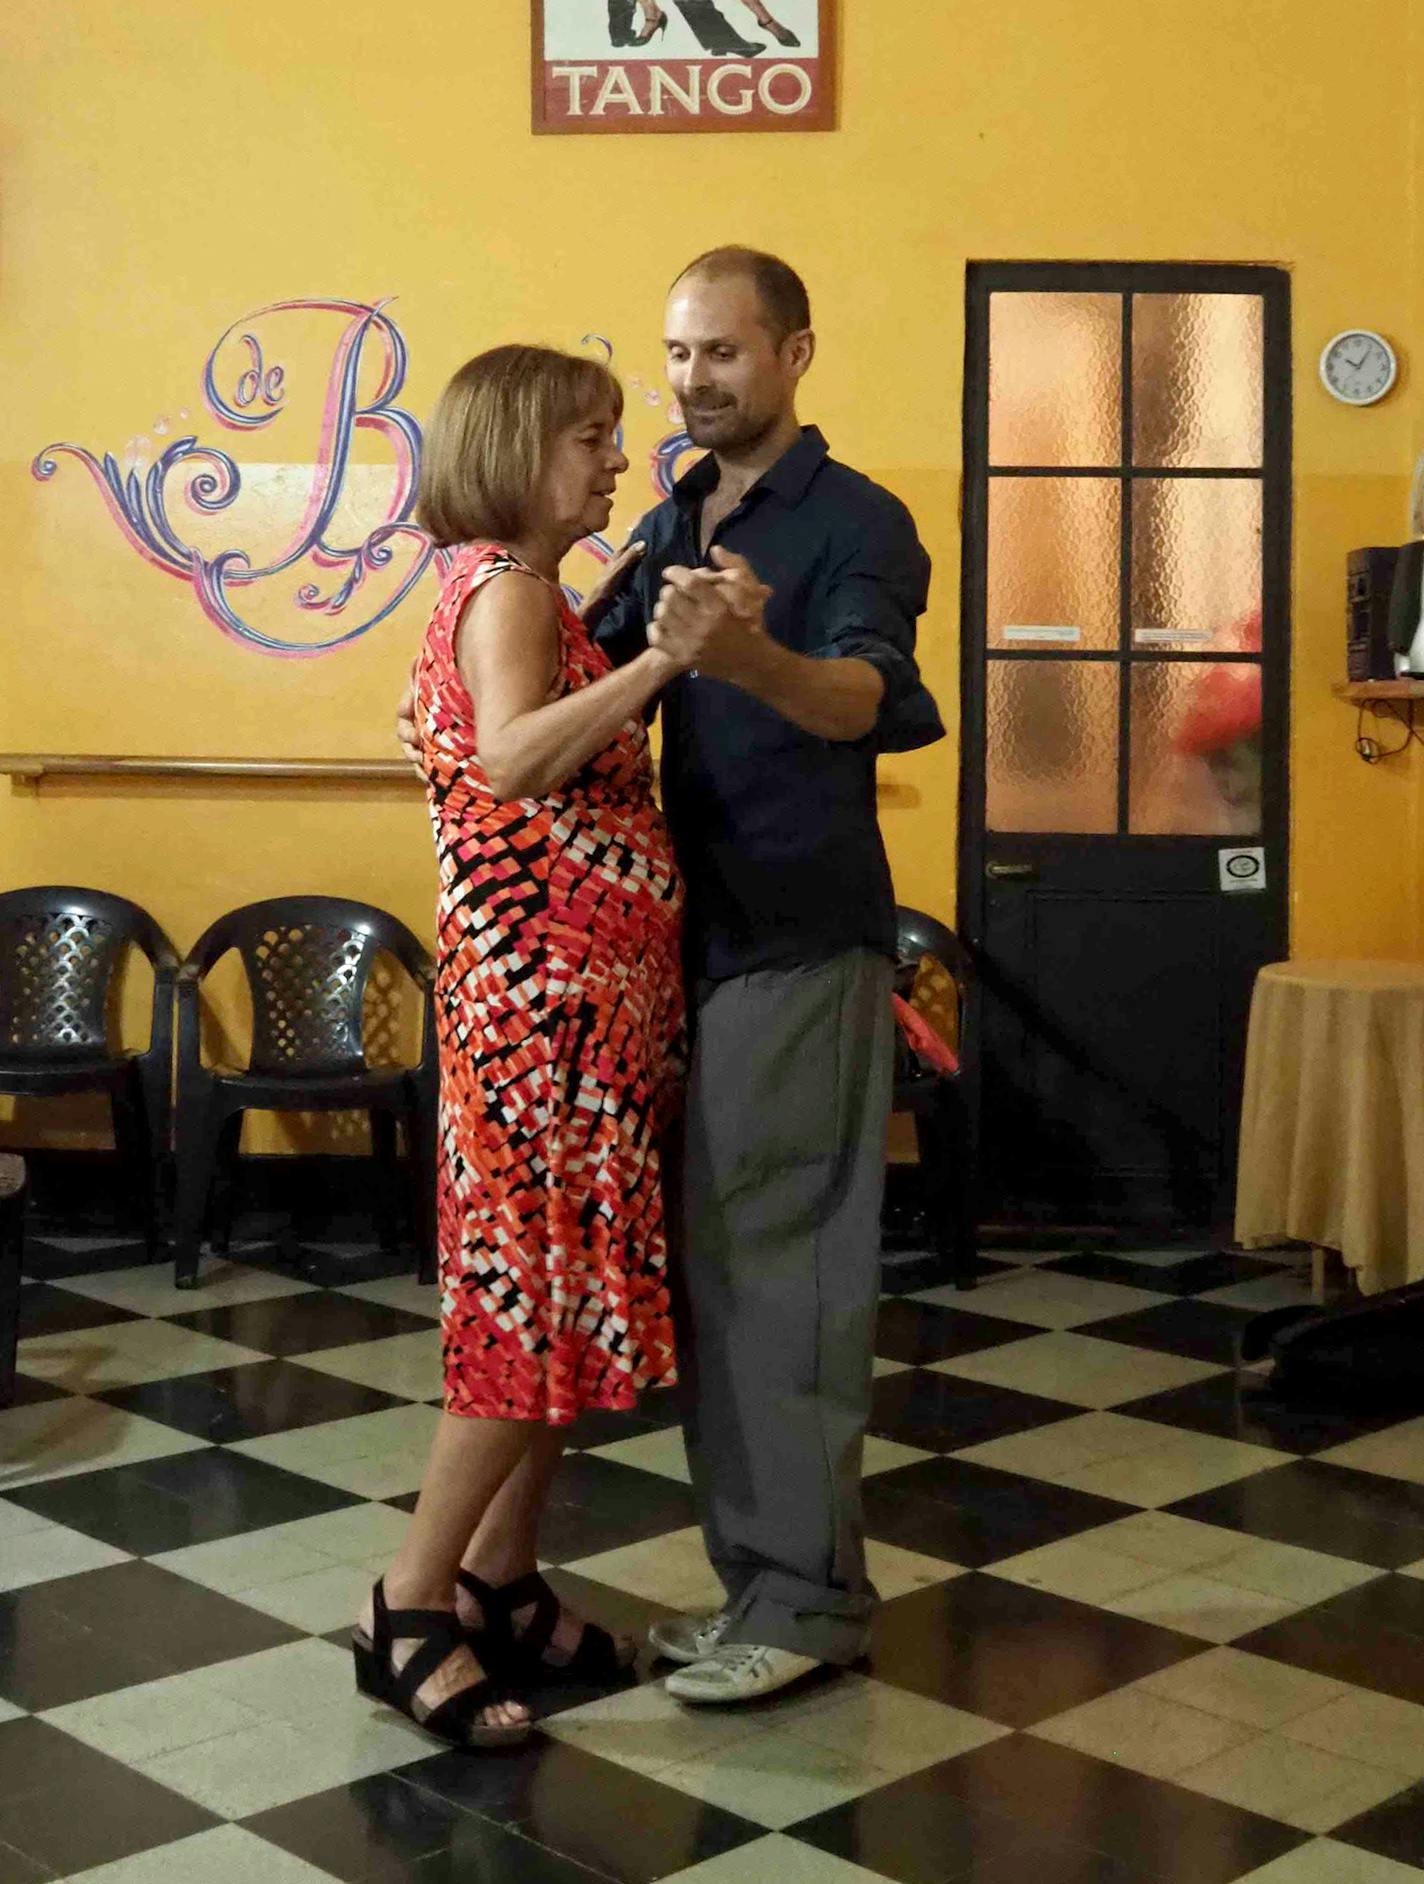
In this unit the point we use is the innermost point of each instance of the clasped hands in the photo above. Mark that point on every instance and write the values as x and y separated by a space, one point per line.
707 620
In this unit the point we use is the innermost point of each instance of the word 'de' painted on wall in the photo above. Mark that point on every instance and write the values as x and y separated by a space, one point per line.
682 65
304 553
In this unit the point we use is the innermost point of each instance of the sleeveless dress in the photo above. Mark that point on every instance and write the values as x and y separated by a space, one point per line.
559 1011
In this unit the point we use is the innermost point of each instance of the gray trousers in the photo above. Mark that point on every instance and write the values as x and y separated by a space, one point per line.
783 1173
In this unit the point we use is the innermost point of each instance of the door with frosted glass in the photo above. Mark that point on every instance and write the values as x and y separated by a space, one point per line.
1123 792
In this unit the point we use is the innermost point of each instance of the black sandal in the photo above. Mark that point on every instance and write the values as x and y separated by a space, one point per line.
595 1660
457 1719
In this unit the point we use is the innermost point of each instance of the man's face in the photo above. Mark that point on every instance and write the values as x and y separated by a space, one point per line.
732 380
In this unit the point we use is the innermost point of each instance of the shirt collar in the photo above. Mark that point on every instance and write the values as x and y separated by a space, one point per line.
789 478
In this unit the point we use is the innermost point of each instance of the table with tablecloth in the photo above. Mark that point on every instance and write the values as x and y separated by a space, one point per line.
1332 1120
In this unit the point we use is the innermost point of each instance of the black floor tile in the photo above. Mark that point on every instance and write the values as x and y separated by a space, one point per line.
614 1821
302 1324
165 1504
250 1401
975 1514
369 1832
916 1834
30 1392
135 1620
51 1262
44 1309
1013 1654
1324 1507
597 1505
16 1868
1243 1406
940 1412
1193 1275
1160 1833
1201 1331
1392 1830
1372 1636
48 1659
601 1426
907 1272
44 1774
920 1332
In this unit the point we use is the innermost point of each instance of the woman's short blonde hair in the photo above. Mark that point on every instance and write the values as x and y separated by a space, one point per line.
490 435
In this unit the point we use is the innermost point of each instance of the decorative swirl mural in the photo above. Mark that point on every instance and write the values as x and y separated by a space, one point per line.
351 576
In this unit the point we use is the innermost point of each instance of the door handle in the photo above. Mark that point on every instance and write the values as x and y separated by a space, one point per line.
1011 872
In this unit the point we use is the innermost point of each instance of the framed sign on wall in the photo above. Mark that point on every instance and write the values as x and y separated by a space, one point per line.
683 65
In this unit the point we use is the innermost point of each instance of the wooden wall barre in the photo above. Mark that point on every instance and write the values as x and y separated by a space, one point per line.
35 766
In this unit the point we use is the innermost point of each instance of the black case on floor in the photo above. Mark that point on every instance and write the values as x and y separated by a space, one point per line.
1371 1350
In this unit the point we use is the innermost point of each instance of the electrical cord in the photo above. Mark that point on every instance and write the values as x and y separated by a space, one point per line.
1369 749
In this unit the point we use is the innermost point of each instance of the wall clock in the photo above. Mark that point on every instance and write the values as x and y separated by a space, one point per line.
1358 367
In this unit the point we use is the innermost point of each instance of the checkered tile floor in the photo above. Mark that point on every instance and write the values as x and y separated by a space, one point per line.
1142 1625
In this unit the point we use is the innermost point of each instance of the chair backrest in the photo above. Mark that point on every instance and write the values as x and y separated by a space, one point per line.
59 948
943 990
308 960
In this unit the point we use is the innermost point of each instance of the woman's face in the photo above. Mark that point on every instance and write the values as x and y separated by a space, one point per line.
582 470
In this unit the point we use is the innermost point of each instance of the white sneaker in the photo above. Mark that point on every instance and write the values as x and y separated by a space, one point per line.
688 1638
739 1671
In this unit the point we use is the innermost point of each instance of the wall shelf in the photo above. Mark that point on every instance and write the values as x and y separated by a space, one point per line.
1362 692
34 766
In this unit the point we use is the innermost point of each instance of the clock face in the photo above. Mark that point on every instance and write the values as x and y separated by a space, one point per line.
1358 367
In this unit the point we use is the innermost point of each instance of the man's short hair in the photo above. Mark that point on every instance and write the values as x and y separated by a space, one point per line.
489 437
785 304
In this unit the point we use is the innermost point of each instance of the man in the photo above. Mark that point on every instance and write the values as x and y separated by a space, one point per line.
788 586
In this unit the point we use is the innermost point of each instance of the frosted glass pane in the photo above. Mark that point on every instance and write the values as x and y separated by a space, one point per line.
1196 563
1054 561
1197 380
1055 379
1052 745
1196 748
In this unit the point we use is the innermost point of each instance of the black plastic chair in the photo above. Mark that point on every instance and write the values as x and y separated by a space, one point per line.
943 1124
60 950
308 960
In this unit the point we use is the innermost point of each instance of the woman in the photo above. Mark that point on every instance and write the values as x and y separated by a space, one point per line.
559 1013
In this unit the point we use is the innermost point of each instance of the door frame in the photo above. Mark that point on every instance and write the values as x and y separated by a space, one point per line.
983 279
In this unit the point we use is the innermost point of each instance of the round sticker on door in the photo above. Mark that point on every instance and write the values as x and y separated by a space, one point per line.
1243 869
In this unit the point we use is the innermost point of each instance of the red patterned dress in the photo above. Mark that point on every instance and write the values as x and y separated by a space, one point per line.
559 1015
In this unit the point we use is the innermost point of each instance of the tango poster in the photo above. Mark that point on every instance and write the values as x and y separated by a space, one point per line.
683 65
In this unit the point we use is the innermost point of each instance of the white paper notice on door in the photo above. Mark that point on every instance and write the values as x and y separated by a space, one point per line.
1068 637
1170 637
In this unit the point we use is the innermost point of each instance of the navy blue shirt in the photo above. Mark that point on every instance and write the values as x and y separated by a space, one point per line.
775 828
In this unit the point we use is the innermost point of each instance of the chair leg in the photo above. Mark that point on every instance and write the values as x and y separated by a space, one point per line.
198 1140
422 1116
132 1141
224 1187
12 1217
386 1172
947 1192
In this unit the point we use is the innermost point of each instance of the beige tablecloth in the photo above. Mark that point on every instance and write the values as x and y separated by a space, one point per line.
1332 1119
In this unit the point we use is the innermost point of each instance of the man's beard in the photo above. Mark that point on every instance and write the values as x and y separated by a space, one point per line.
724 428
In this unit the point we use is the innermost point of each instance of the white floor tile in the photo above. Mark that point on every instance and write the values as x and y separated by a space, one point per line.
408 1365
126 1354
57 1438
54 1551
226 1855
1049 1300
1078 1368
149 1290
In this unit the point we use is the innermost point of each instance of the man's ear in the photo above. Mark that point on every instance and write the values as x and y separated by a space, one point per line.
801 351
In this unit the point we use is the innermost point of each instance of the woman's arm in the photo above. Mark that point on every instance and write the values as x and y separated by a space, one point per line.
507 648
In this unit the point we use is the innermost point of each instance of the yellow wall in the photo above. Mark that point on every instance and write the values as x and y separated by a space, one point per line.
172 168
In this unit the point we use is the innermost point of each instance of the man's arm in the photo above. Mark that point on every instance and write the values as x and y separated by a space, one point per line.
863 681
872 601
